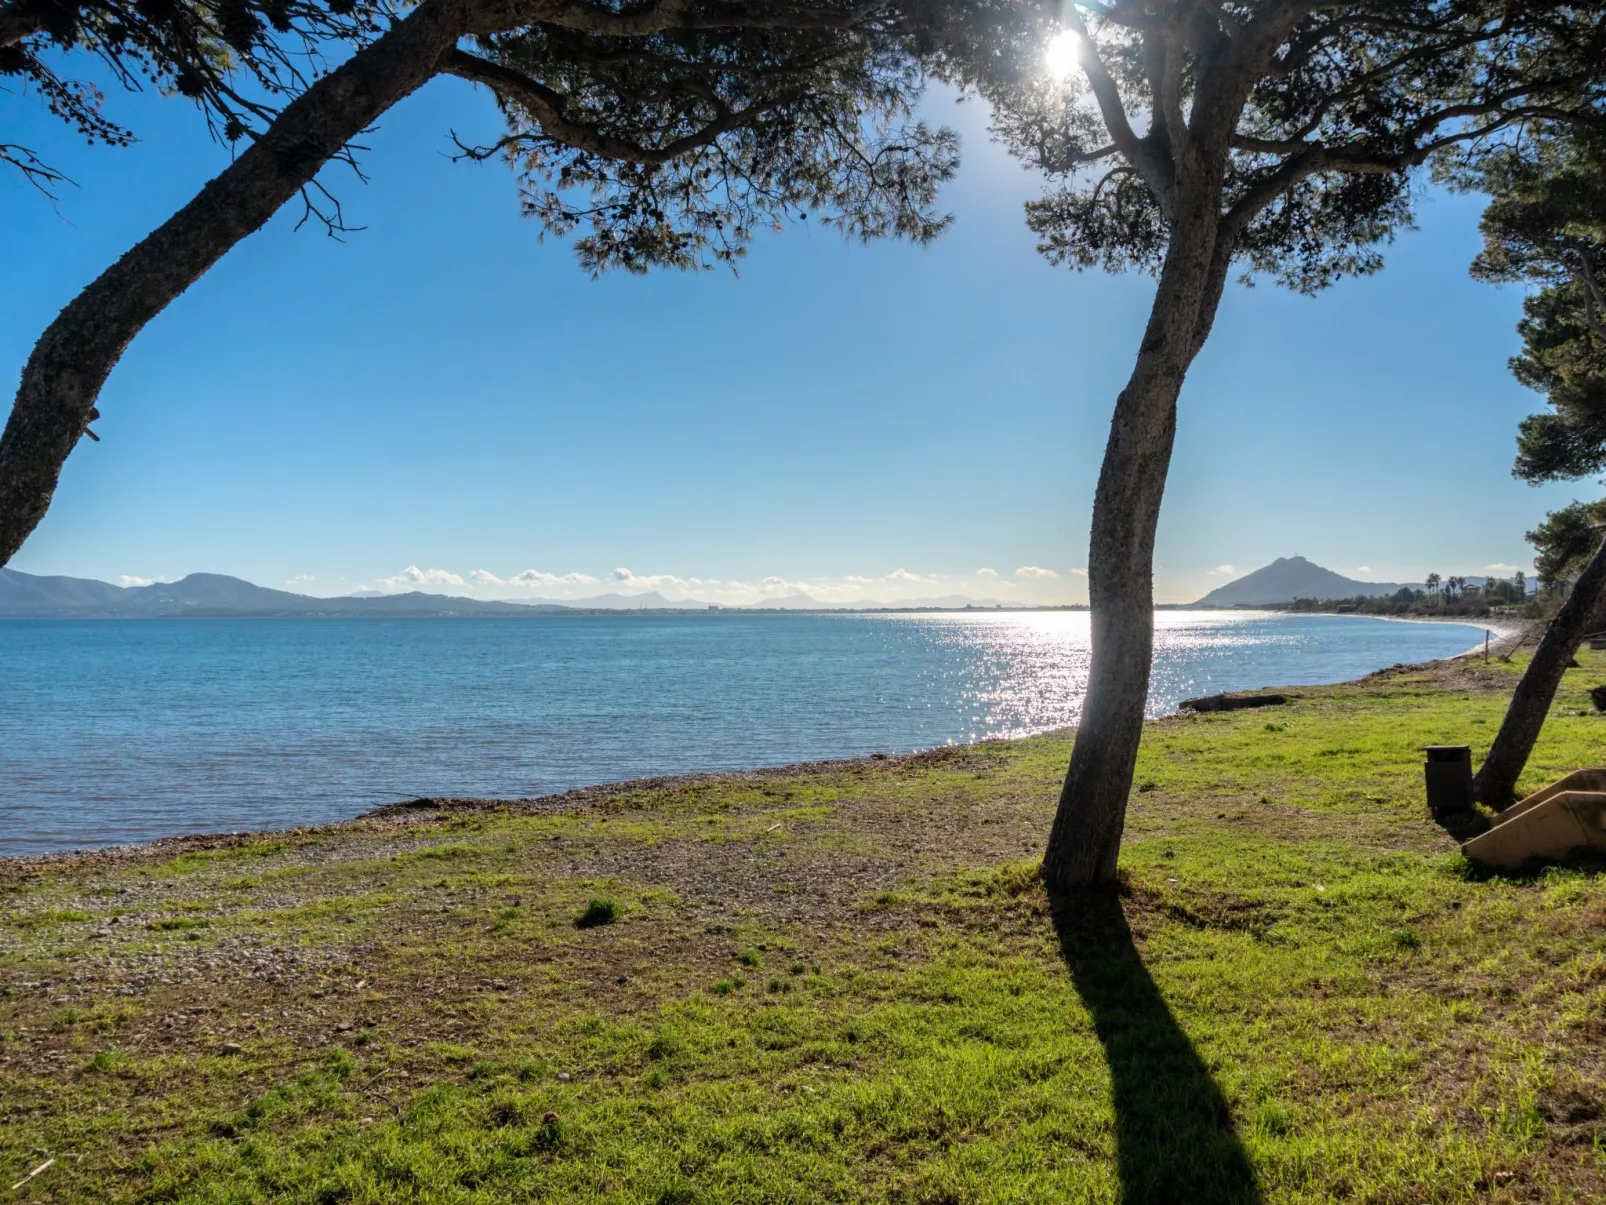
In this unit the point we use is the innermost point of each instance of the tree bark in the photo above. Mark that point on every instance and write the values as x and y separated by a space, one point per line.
1496 780
70 363
1085 840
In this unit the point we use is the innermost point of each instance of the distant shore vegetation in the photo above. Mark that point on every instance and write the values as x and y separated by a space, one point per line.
1450 597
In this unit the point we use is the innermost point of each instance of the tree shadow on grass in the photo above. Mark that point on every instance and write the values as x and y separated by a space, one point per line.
1175 1141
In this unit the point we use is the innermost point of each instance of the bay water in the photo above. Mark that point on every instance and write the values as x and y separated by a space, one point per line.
116 731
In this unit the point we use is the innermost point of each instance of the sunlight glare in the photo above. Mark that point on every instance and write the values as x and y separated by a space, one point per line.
1061 54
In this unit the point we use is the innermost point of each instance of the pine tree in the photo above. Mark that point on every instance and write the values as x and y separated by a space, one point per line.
1547 227
1191 138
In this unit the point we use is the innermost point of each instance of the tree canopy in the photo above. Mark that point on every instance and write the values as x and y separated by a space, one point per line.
1317 112
1187 138
1546 227
1565 541
675 148
239 60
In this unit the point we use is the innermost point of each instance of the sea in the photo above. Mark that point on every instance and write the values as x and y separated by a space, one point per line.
120 731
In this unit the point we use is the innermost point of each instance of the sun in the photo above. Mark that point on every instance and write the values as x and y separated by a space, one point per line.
1062 54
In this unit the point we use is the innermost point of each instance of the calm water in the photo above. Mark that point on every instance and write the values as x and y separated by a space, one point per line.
117 731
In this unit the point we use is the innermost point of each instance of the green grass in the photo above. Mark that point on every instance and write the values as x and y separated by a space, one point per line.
1303 993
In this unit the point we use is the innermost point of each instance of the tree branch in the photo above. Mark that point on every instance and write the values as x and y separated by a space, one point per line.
666 15
1105 90
1358 85
1169 95
34 169
1159 174
1271 146
1125 169
1361 159
547 106
1272 186
1230 25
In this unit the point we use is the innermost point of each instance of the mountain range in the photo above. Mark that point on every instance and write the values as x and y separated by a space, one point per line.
25 595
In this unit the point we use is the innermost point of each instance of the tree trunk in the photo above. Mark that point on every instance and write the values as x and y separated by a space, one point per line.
1496 780
70 363
1086 838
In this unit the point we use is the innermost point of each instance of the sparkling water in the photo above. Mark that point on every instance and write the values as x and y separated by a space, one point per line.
114 731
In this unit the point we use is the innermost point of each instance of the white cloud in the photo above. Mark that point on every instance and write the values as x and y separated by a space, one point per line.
1363 569
650 581
536 577
1500 568
774 586
1224 570
413 576
301 579
128 579
1030 582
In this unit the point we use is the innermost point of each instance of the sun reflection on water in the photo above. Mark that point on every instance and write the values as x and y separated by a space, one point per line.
121 731
1016 673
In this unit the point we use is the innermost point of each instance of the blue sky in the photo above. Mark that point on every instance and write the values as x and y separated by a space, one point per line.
447 394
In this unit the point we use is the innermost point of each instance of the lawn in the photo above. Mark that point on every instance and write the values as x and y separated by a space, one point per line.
839 983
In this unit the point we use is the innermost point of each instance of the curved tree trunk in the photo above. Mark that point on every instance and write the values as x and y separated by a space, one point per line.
1496 780
1086 838
70 363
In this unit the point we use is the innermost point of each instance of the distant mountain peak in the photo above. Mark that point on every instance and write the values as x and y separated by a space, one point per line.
1288 578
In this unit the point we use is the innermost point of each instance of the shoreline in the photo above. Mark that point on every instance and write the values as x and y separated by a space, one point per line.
851 983
427 808
1509 630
